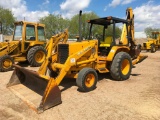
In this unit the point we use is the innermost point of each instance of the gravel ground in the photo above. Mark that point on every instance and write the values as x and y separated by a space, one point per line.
137 98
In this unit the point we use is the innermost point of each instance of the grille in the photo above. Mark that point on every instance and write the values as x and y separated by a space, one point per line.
63 52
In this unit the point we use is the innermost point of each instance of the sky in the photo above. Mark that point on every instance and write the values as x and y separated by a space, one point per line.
147 12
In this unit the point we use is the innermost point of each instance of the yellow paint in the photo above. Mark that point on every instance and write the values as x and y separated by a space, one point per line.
89 80
125 67
107 42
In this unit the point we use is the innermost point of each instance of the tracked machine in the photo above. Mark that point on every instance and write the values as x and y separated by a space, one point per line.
80 60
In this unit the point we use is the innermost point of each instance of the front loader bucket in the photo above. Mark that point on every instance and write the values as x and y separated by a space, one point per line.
39 93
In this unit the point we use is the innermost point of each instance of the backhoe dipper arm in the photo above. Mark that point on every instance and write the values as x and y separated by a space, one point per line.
134 48
50 47
130 27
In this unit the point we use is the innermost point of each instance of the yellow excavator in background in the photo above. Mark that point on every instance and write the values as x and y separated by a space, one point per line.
81 60
28 44
152 43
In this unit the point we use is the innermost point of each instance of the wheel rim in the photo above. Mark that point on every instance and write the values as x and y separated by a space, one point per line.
125 66
39 56
7 63
89 81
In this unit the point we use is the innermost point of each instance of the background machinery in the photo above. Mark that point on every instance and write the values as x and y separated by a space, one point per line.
81 60
152 43
28 44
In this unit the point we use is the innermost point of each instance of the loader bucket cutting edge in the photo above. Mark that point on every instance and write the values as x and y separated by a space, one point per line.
38 93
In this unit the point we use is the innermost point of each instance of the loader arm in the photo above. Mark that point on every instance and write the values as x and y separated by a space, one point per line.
50 47
43 88
72 61
64 68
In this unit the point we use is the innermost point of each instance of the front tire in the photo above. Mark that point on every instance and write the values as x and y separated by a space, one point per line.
36 55
87 79
6 63
121 66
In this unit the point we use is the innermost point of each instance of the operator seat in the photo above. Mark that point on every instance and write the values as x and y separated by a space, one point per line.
107 42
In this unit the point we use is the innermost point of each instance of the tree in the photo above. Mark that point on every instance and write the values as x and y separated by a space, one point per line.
109 31
148 31
74 24
54 24
7 19
97 30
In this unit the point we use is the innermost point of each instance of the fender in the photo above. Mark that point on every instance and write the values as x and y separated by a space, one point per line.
116 49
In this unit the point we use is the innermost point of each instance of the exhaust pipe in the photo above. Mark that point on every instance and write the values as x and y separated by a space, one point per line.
80 26
39 93
0 27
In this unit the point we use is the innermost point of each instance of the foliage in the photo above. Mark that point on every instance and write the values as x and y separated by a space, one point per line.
7 19
74 24
54 24
109 31
148 31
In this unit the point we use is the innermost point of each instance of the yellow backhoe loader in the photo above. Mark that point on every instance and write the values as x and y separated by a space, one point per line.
152 43
28 44
81 60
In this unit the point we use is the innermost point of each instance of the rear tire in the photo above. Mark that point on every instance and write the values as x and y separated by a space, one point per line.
153 48
87 79
6 63
36 55
121 66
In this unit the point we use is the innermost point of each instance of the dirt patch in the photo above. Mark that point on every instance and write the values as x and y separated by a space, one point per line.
137 98
9 114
